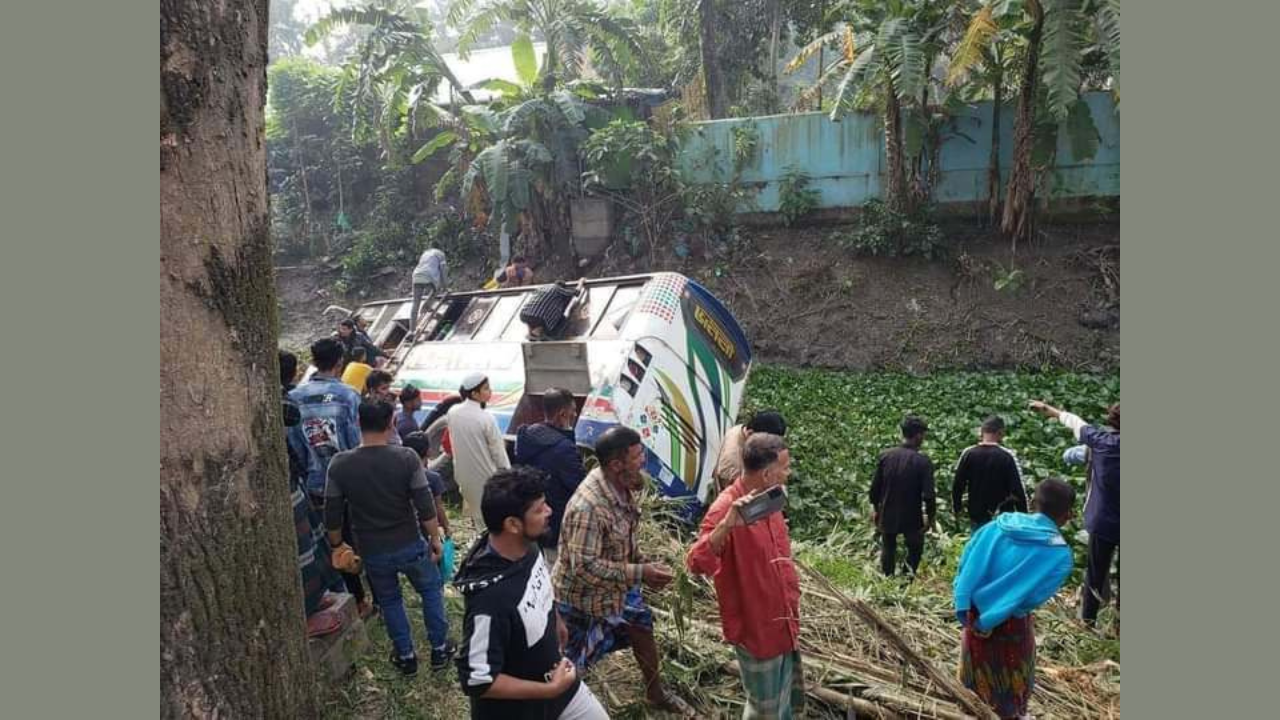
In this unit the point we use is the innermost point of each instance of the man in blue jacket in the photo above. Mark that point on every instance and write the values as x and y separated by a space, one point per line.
549 447
1011 566
329 424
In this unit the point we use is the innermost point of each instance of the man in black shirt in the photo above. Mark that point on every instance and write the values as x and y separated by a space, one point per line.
902 491
513 666
392 511
991 475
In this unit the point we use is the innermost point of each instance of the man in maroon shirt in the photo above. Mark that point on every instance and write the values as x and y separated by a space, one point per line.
756 583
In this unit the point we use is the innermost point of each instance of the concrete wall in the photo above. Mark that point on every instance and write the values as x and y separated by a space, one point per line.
845 159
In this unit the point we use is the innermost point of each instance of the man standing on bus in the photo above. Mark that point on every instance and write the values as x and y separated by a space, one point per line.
429 278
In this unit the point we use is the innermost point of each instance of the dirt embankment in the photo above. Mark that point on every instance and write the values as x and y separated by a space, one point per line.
804 300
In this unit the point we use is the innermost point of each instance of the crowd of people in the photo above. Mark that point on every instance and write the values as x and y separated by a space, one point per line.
557 579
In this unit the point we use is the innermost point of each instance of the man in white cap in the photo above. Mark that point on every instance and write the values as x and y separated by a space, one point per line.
478 449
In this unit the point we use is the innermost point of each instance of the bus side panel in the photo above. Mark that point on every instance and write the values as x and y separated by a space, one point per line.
680 417
437 369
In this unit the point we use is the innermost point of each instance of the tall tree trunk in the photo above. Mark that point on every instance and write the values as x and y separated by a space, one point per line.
306 189
893 151
1019 202
993 164
232 633
712 76
775 38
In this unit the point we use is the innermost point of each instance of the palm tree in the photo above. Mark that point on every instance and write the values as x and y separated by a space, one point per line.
574 31
394 68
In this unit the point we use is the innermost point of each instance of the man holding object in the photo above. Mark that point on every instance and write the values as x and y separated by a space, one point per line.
757 588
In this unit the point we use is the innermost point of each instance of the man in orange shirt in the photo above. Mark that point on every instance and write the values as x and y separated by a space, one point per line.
757 588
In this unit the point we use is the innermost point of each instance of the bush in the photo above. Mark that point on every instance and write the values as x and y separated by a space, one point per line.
883 231
795 198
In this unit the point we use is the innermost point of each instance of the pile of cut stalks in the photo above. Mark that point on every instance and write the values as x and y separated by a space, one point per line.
863 656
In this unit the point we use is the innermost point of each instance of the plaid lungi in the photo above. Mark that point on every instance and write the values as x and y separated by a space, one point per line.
313 558
775 686
591 637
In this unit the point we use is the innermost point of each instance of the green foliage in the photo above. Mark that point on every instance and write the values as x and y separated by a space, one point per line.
313 167
386 238
1010 280
884 231
391 73
1081 131
795 198
711 208
838 422
393 236
746 140
574 31
629 156
1063 41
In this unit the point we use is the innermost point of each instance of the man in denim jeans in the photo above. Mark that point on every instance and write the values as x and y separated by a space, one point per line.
393 519
328 426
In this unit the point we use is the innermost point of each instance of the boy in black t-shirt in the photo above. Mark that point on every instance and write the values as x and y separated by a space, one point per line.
513 665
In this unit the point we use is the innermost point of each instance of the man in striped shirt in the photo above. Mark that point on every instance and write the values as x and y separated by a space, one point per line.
990 474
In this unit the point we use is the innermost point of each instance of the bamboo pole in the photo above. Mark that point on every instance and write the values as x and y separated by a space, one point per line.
863 708
964 697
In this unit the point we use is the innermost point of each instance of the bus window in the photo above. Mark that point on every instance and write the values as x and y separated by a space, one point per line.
471 318
503 315
615 316
597 300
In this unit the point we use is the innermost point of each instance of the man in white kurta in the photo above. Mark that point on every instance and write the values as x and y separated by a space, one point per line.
478 449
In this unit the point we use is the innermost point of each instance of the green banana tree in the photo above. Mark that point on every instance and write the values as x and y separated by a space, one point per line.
517 159
393 71
574 31
1052 36
884 60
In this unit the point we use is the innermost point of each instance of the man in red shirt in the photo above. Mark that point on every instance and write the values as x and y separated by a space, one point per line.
756 583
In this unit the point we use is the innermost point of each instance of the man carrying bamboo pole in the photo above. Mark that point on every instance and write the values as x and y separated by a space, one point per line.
757 588
1010 567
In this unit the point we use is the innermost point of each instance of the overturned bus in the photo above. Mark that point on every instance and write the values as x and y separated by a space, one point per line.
656 352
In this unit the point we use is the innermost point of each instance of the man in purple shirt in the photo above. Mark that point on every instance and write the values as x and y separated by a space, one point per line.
1101 505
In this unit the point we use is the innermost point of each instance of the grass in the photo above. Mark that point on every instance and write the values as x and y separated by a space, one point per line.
839 421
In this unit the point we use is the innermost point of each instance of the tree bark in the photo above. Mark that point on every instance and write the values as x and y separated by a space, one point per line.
993 169
893 152
712 77
232 632
775 39
1016 223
